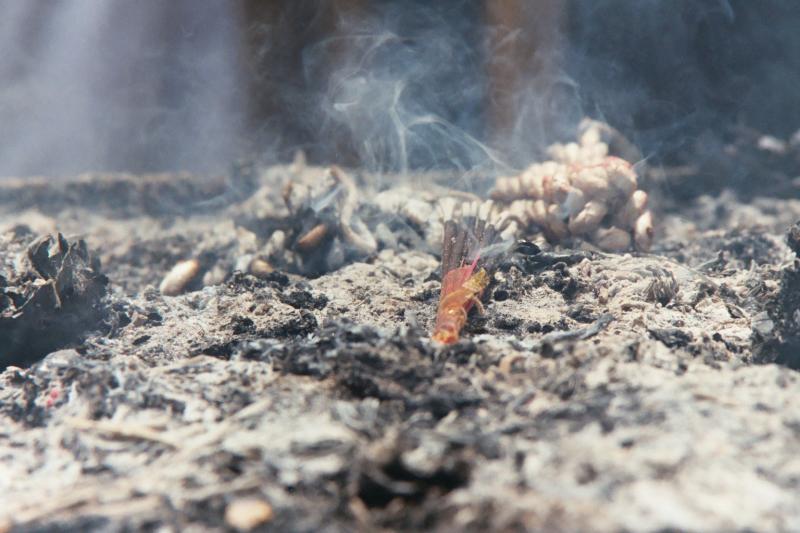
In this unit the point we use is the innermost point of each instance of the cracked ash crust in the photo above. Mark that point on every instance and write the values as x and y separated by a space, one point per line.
599 392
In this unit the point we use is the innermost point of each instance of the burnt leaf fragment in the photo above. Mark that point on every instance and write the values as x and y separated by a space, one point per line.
51 303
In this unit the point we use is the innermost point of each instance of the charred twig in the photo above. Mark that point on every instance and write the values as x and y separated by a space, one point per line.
578 334
122 430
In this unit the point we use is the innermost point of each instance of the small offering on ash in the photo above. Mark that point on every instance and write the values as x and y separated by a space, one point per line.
581 192
474 235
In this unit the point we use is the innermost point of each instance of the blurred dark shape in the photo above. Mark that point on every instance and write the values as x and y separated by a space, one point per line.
776 332
667 71
387 84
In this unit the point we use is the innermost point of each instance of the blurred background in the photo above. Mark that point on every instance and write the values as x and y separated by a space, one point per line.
388 85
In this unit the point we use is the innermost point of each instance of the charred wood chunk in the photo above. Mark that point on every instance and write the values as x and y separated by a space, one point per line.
671 337
777 330
793 237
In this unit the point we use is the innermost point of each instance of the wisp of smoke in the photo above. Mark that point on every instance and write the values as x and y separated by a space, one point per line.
388 85
406 87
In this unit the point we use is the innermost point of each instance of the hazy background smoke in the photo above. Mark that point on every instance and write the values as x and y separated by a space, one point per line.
388 85
408 87
666 72
480 85
117 85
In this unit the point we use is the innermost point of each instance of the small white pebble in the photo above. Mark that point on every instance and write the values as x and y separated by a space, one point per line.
247 513
260 268
612 239
179 277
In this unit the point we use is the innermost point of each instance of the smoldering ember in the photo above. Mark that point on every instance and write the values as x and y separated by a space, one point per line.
400 266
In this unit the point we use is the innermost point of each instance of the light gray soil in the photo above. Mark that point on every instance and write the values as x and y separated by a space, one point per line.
599 392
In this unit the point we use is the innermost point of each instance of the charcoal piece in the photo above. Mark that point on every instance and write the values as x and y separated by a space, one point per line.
777 332
52 303
780 342
793 237
671 337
